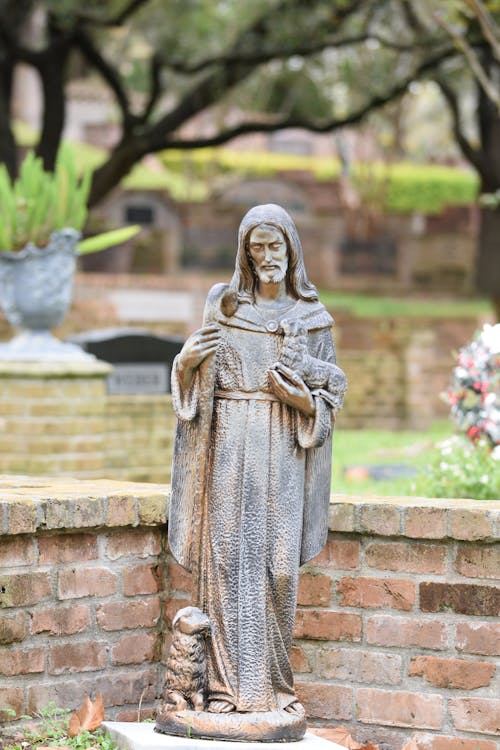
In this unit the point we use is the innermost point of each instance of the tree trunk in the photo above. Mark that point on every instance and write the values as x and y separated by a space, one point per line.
54 107
109 175
488 257
7 142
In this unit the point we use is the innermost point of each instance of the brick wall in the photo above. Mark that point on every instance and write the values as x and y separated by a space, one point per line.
59 419
397 629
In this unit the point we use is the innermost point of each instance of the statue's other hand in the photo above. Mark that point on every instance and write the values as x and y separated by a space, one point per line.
291 389
199 345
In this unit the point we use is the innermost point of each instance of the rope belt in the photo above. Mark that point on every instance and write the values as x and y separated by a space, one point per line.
246 395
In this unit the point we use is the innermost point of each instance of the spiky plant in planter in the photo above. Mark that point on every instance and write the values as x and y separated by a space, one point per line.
41 218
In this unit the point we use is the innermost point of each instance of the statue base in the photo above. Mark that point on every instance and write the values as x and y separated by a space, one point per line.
261 726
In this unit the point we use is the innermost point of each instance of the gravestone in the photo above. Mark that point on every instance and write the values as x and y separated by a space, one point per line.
142 361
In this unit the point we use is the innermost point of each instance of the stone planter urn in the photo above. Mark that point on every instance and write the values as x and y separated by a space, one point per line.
35 293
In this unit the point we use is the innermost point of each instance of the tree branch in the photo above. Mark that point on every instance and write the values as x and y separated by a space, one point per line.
488 26
118 20
155 86
469 152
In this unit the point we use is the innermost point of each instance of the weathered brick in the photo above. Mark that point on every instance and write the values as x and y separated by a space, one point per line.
134 649
13 698
21 661
426 523
73 583
475 714
12 628
469 524
20 589
377 592
124 615
322 701
338 554
136 542
180 579
479 638
58 513
172 606
462 598
399 708
384 630
342 517
314 589
17 551
21 517
452 673
117 689
67 548
440 742
380 518
153 509
141 579
77 657
299 660
121 511
478 561
354 665
60 620
410 557
136 714
327 626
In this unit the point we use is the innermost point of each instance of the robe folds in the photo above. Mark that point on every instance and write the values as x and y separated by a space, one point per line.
250 494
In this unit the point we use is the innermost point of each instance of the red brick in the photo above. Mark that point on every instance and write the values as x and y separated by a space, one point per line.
314 589
410 557
426 523
141 579
67 548
479 638
73 583
12 628
476 714
22 661
324 625
353 665
12 698
134 649
60 620
17 551
77 657
134 542
381 519
478 562
341 555
21 589
452 673
136 714
462 598
399 709
384 630
469 524
172 606
299 660
323 701
180 579
440 742
377 592
121 511
22 517
124 615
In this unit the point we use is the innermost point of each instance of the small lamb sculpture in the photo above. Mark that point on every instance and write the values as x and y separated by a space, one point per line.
186 673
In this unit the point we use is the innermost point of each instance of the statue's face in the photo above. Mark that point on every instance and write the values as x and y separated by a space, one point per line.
269 253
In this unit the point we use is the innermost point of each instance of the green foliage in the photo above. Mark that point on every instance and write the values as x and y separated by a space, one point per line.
461 469
39 203
52 728
378 306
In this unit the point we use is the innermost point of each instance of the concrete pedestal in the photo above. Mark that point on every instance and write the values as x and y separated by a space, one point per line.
140 736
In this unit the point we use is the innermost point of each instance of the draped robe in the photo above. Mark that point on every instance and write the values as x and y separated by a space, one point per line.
250 493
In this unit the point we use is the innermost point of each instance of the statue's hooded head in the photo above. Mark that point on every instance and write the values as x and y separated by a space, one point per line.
245 279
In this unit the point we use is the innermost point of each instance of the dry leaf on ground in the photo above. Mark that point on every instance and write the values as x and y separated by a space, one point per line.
89 716
340 735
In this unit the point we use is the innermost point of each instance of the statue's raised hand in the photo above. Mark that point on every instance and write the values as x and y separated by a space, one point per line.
198 346
291 389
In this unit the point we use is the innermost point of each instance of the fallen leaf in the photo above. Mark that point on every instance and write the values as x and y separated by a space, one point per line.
340 735
370 746
89 716
411 745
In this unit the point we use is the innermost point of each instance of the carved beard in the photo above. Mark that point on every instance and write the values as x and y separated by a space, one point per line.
270 276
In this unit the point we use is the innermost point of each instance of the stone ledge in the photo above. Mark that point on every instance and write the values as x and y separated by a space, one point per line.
31 503
44 370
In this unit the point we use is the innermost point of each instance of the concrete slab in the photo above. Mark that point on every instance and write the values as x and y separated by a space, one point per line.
141 736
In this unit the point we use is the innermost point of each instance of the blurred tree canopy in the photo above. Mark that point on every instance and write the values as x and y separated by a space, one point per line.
259 66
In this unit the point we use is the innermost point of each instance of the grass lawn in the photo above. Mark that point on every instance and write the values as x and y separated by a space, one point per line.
380 447
367 306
